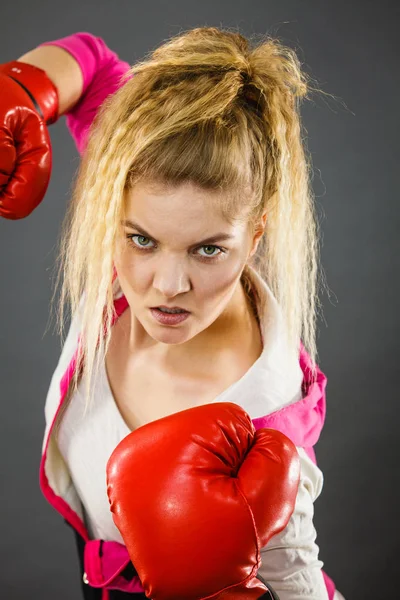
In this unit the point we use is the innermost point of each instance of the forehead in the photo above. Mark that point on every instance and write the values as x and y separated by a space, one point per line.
161 206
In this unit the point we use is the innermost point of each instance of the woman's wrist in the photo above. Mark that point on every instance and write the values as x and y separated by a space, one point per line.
62 69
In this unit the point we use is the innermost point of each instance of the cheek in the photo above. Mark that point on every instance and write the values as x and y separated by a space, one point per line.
217 283
132 274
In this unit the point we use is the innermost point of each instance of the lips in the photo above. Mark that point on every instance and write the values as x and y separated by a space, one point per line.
167 318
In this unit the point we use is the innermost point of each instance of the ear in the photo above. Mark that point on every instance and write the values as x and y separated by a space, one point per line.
115 274
259 231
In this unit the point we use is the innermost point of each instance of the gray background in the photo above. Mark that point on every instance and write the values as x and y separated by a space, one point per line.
352 49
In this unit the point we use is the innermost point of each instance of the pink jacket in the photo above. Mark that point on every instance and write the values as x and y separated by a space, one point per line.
301 422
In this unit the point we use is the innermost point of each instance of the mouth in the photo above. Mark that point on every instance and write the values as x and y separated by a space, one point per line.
172 310
169 318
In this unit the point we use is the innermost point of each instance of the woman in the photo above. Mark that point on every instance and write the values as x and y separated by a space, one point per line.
192 194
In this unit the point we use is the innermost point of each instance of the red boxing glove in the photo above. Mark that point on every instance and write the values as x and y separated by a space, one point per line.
28 101
196 495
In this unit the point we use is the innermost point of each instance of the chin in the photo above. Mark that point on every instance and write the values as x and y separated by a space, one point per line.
166 334
172 337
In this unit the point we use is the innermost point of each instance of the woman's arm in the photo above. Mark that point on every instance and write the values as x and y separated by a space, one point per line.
85 71
62 69
289 562
101 70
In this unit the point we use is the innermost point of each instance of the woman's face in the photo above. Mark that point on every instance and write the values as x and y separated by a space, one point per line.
166 257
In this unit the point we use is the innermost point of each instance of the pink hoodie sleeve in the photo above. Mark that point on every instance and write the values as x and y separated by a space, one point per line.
102 70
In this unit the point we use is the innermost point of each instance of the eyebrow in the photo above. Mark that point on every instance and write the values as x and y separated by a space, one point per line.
215 238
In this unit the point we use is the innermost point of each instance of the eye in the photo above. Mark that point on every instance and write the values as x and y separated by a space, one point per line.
140 237
212 248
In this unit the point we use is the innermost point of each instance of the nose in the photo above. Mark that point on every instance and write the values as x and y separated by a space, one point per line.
171 278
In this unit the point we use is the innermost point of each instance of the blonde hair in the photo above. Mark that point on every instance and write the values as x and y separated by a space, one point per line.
207 108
